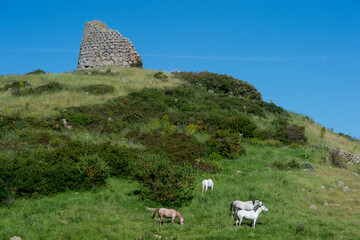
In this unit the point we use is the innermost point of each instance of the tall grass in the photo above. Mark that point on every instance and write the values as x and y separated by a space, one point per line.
125 80
331 139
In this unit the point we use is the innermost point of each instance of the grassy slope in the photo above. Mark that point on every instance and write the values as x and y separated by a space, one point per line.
114 212
126 80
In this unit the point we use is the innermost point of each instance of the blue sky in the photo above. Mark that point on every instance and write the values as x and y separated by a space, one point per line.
302 55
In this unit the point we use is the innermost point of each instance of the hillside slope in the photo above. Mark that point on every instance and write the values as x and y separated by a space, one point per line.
140 138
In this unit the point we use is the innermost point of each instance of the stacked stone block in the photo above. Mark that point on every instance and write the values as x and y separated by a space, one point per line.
101 46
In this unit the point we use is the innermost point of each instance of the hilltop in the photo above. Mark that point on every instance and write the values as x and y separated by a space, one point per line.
84 153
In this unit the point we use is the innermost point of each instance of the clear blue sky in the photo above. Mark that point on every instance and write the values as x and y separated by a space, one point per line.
303 55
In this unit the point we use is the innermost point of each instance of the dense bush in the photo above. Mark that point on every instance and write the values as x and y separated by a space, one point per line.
98 89
82 119
49 87
137 64
36 72
16 85
161 181
71 166
160 75
24 88
281 165
221 83
307 165
240 124
94 168
225 144
336 158
291 134
178 147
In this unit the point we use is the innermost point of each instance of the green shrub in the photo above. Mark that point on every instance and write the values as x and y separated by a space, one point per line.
94 168
161 181
178 147
307 165
49 87
281 165
289 134
82 119
36 72
336 158
98 89
322 132
137 64
240 124
24 88
225 144
71 166
160 75
16 85
221 83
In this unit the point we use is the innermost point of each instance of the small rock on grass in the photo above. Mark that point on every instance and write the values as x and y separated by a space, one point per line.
323 187
346 188
313 206
15 238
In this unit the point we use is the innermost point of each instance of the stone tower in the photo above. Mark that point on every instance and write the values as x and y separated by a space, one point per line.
101 46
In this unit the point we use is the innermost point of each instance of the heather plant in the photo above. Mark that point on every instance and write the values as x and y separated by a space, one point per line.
225 144
240 124
162 183
82 119
161 76
281 165
98 89
307 165
221 83
16 85
94 168
178 147
36 72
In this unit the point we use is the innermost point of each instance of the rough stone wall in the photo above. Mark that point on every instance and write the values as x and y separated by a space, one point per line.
101 46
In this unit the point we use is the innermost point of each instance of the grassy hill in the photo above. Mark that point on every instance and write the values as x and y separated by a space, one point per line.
138 138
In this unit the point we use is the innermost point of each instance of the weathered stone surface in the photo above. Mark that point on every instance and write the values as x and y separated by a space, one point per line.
105 47
15 238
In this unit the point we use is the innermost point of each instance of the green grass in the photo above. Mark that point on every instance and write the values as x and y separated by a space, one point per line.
126 80
331 139
116 212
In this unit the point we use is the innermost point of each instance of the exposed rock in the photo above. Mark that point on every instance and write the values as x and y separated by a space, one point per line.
349 157
346 188
341 184
331 204
313 206
323 187
238 171
331 188
15 238
355 173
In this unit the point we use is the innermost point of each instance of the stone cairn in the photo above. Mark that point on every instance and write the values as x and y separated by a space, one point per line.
101 46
